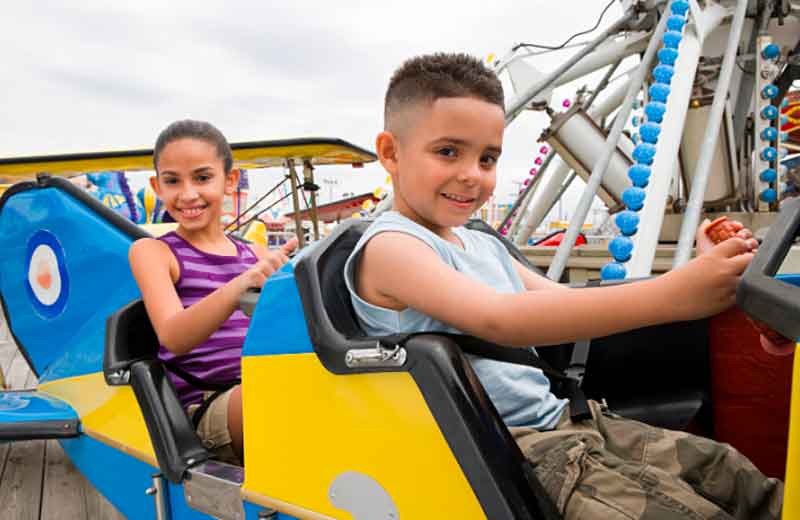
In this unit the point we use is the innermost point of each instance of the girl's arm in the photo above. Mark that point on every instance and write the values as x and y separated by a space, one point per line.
401 269
179 330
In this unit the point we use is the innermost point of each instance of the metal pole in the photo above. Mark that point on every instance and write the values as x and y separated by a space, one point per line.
528 195
298 222
528 188
596 177
308 176
694 207
518 104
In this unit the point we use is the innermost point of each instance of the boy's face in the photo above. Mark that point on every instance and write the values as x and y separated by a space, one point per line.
443 159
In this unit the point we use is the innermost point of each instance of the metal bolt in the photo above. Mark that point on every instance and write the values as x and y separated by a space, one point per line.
150 491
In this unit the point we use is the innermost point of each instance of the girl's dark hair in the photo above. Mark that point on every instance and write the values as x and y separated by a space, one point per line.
441 75
191 129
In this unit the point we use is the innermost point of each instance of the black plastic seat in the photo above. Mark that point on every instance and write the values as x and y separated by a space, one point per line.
493 464
131 357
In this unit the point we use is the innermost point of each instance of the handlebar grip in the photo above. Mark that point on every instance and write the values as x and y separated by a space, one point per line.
764 297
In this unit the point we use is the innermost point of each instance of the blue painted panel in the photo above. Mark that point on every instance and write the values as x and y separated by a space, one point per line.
121 478
63 337
793 279
19 407
278 325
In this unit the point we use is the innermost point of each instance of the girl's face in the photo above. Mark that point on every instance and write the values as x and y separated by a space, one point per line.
191 182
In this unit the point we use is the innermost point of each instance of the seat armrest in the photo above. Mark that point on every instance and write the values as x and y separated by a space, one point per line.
172 435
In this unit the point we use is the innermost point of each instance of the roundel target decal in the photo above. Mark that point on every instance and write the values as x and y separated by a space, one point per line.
47 282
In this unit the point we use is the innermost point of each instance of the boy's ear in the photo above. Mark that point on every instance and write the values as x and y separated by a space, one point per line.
232 181
386 148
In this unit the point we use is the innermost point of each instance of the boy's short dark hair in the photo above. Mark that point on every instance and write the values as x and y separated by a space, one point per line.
441 75
191 129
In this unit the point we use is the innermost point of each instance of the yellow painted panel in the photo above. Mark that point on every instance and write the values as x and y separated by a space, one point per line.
257 154
111 411
791 493
305 426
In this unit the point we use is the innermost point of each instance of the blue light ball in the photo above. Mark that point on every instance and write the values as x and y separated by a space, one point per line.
679 7
769 112
635 138
784 103
633 197
672 39
621 249
663 73
769 91
768 154
649 132
667 55
655 111
784 120
613 271
639 174
768 195
635 120
784 136
770 51
659 92
628 222
676 23
644 153
769 134
768 175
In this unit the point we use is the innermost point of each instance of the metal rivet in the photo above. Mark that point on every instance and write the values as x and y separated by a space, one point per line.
150 491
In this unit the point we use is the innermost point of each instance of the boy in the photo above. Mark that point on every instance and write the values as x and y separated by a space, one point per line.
443 135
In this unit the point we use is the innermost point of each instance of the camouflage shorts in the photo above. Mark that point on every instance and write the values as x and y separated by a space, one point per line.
615 468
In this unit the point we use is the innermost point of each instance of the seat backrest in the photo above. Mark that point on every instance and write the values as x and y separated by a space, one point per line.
479 225
130 337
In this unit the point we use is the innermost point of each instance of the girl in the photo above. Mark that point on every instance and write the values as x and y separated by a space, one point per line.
191 280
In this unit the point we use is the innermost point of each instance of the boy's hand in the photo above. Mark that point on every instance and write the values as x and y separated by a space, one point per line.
707 285
706 235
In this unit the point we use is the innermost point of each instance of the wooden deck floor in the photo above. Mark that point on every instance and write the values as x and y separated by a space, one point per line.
37 480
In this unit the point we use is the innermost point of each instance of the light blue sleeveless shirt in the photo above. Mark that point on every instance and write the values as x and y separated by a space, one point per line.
520 393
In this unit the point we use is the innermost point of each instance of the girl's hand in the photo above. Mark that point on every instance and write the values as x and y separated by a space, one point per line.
271 261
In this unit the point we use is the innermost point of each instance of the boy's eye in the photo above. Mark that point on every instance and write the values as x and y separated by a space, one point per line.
488 160
203 178
170 180
447 151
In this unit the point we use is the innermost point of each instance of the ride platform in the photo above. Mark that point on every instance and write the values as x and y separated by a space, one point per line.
37 480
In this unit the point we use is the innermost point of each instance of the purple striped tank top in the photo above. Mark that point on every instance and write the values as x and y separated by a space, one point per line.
219 358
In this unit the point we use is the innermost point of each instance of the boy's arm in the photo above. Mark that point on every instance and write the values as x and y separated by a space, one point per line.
533 281
398 267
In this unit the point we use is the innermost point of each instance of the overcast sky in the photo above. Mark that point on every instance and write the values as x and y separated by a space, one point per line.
90 76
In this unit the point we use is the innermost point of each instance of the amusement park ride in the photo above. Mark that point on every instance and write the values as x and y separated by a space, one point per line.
340 425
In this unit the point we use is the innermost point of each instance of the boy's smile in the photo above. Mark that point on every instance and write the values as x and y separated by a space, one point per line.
443 160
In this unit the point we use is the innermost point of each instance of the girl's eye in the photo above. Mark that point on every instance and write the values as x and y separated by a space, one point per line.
203 178
170 181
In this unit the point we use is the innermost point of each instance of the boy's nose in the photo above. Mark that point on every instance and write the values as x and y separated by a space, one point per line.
470 173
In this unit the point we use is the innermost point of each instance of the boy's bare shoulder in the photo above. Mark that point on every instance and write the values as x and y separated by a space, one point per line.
392 246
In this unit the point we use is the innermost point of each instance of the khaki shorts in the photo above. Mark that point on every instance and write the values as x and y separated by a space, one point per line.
213 427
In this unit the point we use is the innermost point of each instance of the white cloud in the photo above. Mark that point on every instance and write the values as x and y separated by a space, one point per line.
110 75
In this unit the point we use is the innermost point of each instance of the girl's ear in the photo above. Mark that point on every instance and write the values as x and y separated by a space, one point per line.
154 184
232 181
386 148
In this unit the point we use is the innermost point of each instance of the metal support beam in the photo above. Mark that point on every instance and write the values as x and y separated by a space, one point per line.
694 207
662 174
298 222
599 169
518 104
308 178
